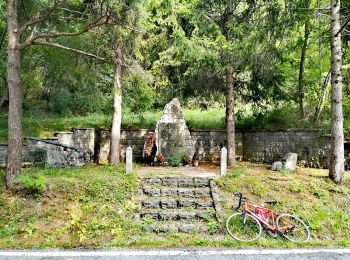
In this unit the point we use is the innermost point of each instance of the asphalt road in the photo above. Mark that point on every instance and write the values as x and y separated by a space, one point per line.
179 254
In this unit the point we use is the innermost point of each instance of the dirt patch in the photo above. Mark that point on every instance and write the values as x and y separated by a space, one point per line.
204 170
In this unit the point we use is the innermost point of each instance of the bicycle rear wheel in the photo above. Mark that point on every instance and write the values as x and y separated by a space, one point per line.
296 229
243 227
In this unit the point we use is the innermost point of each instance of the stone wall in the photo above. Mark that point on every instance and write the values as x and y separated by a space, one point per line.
30 155
134 138
312 147
208 143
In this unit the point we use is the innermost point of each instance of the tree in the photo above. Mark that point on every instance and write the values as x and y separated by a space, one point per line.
302 99
336 170
16 31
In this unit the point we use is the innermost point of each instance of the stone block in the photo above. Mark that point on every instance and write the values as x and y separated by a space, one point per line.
154 216
168 203
184 203
185 182
277 166
166 192
199 193
187 215
166 216
152 181
171 182
168 228
187 228
206 215
150 228
204 204
186 193
152 192
151 204
201 182
291 161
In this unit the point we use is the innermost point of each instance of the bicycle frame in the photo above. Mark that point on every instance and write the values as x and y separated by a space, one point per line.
272 215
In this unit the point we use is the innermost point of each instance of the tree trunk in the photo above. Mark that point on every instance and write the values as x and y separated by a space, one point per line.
230 123
14 152
302 101
322 97
336 170
117 107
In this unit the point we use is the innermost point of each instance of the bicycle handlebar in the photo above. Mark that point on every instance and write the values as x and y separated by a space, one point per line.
241 198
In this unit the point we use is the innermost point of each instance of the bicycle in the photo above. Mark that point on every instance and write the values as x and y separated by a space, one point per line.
246 226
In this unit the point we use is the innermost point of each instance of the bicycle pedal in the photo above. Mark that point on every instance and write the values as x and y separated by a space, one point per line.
273 234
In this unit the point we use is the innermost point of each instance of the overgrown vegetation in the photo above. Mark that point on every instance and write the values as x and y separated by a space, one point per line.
212 118
307 193
94 206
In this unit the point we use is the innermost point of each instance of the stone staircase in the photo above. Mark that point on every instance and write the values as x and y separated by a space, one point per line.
179 204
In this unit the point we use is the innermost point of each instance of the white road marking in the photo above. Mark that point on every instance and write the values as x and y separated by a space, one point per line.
198 252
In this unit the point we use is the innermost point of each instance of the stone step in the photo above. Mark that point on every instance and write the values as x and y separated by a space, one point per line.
180 227
179 215
180 182
173 203
180 192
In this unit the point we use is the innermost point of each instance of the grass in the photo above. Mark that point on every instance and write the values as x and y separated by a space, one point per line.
93 206
308 193
46 126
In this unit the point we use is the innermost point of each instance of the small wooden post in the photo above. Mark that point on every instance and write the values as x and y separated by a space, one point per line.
128 165
223 161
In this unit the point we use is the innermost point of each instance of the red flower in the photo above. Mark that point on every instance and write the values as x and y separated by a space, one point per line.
161 158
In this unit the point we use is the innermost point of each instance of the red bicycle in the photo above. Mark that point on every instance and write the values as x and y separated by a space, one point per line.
247 225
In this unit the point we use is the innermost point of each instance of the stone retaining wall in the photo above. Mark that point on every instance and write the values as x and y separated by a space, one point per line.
134 138
312 147
208 143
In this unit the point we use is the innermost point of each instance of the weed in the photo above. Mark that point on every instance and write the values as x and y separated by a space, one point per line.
174 161
212 225
33 184
147 221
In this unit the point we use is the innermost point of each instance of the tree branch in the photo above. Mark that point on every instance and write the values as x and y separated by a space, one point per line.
98 22
37 19
343 27
58 46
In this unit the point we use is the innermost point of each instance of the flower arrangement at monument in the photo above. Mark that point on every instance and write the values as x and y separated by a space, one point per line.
160 158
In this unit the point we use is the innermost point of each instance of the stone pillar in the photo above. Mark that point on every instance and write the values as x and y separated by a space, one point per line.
291 161
128 165
223 161
84 139
65 138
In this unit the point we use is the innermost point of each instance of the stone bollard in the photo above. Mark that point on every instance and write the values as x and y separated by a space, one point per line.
223 161
128 165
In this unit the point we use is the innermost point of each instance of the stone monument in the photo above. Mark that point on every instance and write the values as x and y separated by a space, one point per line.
172 135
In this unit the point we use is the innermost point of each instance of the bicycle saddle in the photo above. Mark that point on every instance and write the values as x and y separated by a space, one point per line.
271 203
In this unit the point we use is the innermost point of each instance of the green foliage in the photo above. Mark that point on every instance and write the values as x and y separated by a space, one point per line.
138 94
174 161
34 184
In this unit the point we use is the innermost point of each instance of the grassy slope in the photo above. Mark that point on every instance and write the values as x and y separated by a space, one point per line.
45 127
93 207
308 193
213 118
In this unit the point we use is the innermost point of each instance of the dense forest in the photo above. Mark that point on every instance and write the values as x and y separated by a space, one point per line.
257 59
279 52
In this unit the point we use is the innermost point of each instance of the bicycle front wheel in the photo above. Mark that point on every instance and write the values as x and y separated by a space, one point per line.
294 228
243 227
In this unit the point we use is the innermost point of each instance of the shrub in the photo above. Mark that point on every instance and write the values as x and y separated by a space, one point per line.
174 161
33 184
